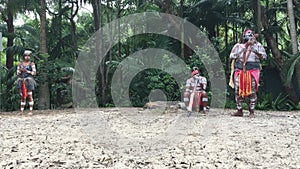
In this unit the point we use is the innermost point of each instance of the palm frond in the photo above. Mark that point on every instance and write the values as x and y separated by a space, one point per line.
291 69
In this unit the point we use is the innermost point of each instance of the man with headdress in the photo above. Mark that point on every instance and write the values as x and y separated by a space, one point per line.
25 82
195 96
246 57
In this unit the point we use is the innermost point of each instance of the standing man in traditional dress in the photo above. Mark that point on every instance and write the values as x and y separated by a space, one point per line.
246 56
195 96
25 82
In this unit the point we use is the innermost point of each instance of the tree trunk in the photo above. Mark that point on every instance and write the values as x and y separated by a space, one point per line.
293 33
97 13
258 15
44 93
10 39
59 28
73 14
211 31
10 43
73 35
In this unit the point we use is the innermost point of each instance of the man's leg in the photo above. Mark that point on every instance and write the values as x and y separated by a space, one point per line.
253 98
23 103
203 101
186 99
238 98
30 101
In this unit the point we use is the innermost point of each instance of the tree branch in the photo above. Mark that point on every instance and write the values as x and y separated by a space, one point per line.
4 18
297 4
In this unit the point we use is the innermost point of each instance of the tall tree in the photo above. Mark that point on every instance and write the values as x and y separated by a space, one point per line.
293 31
277 55
44 93
293 34
7 16
257 8
97 14
73 8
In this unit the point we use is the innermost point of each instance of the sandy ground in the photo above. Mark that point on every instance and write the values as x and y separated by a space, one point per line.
135 138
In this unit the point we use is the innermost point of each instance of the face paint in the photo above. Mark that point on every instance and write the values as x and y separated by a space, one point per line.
249 33
27 57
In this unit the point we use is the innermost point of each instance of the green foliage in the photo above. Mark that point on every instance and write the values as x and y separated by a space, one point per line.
283 103
60 73
230 104
164 81
109 105
264 101
298 106
152 79
7 103
291 68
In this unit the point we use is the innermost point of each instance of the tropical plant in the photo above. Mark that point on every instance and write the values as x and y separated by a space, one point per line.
298 106
283 103
291 69
264 101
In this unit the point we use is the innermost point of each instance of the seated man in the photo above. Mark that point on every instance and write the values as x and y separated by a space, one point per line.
195 96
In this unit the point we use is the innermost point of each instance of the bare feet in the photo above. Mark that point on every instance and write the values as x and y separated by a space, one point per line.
20 114
239 113
251 115
189 113
30 113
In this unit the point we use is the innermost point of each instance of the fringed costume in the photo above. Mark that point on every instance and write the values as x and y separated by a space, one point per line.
245 78
25 82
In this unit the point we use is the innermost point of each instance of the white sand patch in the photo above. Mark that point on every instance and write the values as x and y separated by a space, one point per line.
59 139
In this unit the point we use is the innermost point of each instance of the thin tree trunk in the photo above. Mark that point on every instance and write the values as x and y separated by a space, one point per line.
119 27
292 26
59 28
10 43
97 13
102 64
44 92
293 33
258 16
73 35
182 33
75 4
10 39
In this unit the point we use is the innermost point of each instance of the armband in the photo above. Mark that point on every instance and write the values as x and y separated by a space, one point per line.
30 72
